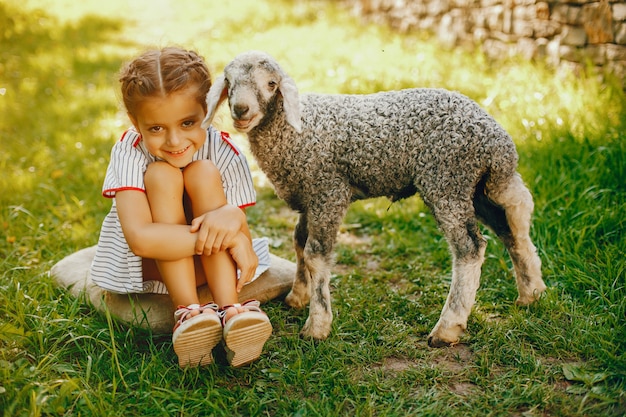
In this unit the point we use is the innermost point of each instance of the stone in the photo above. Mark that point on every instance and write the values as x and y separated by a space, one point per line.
494 18
620 33
573 36
616 52
527 48
545 28
525 12
523 28
156 311
569 53
596 54
445 33
619 12
552 52
543 10
598 22
571 15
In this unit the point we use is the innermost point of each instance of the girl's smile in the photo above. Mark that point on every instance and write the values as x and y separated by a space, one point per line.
170 126
180 152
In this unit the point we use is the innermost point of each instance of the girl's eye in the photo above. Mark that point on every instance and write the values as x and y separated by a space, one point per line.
155 129
188 123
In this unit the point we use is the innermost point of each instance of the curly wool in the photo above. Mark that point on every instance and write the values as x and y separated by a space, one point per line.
407 148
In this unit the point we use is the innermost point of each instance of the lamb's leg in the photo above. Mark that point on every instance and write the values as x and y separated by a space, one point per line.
318 260
517 203
468 252
319 264
301 290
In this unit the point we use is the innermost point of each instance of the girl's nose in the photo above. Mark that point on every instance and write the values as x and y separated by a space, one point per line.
172 139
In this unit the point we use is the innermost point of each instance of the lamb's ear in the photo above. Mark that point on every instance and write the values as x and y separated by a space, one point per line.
217 93
291 102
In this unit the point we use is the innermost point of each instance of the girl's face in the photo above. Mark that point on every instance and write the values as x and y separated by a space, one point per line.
170 126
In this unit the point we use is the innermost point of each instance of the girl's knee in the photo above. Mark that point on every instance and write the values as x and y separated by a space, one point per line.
202 175
202 169
160 173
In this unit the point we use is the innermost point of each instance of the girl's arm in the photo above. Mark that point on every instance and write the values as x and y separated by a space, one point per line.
170 242
166 242
217 228
226 228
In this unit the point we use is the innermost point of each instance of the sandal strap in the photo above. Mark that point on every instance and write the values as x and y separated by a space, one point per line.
251 305
181 313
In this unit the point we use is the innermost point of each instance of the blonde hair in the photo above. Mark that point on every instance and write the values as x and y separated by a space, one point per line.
162 72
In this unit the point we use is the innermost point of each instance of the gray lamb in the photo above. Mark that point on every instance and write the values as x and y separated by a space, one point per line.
321 152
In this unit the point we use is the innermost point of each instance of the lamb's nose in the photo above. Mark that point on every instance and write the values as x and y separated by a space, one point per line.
240 110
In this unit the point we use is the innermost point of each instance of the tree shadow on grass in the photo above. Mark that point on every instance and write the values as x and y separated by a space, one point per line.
51 74
57 107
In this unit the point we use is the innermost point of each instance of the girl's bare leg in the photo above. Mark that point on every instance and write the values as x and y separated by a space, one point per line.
203 183
164 189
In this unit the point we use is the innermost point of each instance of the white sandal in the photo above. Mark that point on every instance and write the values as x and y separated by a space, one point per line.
195 336
245 333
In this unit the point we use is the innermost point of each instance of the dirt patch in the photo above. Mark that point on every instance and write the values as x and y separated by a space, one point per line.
395 364
464 388
454 359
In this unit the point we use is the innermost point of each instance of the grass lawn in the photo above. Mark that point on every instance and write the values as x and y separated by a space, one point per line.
60 115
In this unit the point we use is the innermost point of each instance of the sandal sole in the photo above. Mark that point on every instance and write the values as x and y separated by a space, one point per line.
194 343
244 337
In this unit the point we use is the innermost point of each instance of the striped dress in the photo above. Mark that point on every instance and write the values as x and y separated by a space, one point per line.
115 267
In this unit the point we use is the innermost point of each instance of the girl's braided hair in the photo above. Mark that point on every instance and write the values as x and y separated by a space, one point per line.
161 72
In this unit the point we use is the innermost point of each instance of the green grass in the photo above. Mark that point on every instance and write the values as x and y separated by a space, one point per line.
60 114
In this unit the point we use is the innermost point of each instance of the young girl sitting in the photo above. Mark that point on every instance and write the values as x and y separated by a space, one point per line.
177 219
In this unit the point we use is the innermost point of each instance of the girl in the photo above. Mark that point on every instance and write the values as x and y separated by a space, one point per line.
177 218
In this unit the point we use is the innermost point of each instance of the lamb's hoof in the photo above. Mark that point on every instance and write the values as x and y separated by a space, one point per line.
435 342
524 300
442 337
318 337
314 332
295 301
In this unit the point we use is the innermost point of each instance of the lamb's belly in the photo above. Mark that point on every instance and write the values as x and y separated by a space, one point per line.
393 190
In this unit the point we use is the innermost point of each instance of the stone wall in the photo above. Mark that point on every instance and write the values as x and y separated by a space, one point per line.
570 33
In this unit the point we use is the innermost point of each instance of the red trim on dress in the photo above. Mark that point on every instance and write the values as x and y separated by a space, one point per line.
226 138
247 205
110 193
131 130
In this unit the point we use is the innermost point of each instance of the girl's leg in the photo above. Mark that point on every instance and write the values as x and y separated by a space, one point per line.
195 334
164 188
203 184
244 334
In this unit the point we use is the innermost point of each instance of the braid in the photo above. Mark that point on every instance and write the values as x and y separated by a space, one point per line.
161 72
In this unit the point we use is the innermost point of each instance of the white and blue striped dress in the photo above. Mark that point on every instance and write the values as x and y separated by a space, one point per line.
115 267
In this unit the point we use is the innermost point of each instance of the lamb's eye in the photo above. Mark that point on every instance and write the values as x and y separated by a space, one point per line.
272 85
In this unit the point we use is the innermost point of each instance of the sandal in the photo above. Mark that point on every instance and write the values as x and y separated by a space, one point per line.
195 336
245 333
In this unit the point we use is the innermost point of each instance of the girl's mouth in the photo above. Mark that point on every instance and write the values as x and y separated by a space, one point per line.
175 153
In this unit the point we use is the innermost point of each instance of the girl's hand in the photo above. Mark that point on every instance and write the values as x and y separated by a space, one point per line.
217 229
246 259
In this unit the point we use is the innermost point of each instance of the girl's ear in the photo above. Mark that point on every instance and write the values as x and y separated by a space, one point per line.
217 93
291 102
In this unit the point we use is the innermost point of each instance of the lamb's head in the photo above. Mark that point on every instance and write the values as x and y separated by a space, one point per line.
253 82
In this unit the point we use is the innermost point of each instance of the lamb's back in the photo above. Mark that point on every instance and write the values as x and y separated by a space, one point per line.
410 133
